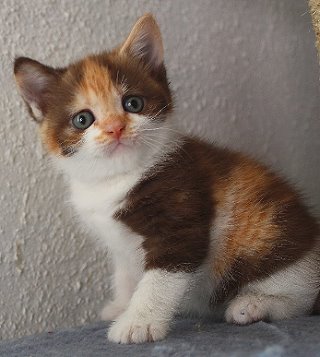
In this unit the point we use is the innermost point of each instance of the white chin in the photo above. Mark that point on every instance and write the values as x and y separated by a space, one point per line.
84 165
92 163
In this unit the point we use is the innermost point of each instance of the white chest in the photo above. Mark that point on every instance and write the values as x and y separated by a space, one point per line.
96 205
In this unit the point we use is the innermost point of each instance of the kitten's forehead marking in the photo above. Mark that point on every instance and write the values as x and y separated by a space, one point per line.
96 91
96 77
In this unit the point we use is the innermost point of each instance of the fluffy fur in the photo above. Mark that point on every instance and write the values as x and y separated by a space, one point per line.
191 227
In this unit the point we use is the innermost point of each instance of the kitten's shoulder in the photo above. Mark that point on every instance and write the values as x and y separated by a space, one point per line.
201 156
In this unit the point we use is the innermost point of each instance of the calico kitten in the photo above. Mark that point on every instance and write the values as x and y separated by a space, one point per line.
191 227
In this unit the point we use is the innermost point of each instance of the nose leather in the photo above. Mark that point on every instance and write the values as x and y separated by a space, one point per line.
115 127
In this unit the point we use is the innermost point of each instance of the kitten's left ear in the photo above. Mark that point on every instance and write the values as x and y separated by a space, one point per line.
35 81
145 42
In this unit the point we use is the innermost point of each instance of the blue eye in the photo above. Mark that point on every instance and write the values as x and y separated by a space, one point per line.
83 120
133 104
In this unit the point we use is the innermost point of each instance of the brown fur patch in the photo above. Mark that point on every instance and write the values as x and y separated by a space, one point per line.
173 209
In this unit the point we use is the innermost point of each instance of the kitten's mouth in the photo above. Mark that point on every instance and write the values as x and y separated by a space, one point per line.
119 145
116 146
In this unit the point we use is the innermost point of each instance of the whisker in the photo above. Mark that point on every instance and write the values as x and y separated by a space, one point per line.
161 128
117 77
159 112
150 144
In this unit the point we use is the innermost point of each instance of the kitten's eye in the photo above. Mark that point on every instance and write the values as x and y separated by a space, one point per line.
83 120
133 104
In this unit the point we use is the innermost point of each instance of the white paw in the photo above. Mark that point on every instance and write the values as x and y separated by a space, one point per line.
111 311
129 330
245 310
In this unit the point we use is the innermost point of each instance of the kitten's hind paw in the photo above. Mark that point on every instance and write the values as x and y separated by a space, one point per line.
245 310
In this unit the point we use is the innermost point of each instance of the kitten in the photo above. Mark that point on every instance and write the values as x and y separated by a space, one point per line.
191 227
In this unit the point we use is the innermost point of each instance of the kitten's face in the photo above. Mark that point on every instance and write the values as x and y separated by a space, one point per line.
106 114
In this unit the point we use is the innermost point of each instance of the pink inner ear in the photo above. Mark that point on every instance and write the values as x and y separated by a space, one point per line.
146 48
33 83
34 80
145 42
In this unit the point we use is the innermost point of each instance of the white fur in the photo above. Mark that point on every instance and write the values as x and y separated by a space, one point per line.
151 308
96 204
287 293
100 176
196 301
36 111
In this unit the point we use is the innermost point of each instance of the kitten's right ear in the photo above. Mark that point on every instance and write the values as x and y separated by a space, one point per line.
34 81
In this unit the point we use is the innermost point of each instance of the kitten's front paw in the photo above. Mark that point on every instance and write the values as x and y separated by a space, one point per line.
133 330
111 311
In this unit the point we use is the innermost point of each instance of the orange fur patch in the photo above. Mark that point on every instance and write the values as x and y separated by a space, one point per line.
251 233
49 139
96 91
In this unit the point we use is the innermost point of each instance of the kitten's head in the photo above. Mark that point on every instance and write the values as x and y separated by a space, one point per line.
107 113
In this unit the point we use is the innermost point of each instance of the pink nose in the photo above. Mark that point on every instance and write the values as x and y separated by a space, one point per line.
115 128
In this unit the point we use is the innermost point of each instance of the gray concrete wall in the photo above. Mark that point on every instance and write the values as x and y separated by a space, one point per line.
245 74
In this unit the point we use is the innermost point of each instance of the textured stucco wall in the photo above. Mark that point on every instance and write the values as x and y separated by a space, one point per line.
245 74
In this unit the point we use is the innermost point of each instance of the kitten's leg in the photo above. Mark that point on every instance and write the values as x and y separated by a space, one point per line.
125 280
151 308
287 293
122 293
